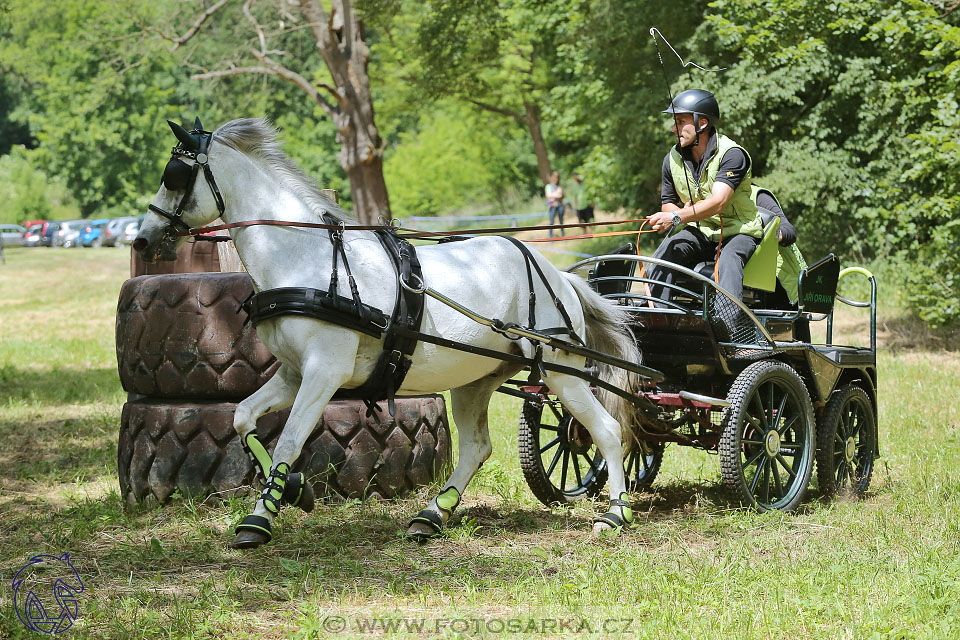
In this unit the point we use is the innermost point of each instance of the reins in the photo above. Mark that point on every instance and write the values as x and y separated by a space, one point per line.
411 233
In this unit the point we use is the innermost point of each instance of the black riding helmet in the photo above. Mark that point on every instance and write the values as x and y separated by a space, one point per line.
702 104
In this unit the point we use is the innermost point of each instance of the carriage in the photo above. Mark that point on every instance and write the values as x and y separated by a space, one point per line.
731 377
712 372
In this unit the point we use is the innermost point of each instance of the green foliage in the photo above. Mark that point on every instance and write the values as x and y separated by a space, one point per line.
29 194
449 162
849 109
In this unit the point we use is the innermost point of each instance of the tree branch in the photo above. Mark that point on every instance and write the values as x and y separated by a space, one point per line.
192 31
256 25
503 112
298 80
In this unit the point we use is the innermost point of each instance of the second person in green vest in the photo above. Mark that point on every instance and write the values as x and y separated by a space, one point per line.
705 196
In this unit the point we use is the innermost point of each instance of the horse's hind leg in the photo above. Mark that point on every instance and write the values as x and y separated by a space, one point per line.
470 408
576 397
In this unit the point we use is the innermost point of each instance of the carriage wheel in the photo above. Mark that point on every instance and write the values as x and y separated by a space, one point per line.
558 457
768 442
643 464
847 437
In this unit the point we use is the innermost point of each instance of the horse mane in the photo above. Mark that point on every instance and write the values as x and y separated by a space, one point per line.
257 137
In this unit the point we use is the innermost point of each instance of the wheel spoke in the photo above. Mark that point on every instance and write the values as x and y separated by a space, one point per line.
766 482
771 420
576 470
756 477
553 463
563 469
787 468
776 481
550 444
591 460
753 459
782 430
556 413
758 443
550 427
756 399
783 404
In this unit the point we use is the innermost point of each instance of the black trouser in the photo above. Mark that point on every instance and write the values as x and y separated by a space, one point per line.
690 247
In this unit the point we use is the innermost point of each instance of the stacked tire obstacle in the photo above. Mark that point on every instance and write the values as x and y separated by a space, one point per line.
186 357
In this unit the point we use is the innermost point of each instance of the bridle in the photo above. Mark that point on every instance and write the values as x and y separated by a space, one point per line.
177 178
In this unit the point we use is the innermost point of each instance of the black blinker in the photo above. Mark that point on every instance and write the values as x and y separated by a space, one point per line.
176 175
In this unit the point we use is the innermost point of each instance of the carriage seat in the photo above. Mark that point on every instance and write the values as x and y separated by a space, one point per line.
760 272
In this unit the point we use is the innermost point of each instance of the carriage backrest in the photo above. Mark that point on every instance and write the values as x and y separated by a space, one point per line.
818 285
621 269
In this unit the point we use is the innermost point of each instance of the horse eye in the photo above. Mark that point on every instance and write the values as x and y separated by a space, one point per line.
176 175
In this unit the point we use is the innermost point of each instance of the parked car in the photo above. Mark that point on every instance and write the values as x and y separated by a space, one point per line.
69 233
114 228
129 233
11 234
34 234
49 237
92 234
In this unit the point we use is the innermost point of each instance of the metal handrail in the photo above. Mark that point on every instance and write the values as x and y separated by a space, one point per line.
857 303
676 267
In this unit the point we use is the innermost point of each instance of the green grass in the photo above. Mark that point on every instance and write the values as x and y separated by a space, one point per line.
696 566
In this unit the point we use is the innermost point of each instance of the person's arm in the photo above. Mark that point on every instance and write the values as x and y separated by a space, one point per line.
734 167
788 233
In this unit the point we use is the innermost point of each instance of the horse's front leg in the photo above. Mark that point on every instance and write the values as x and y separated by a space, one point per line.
320 380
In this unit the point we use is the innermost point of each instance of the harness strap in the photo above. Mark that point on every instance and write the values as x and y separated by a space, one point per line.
530 260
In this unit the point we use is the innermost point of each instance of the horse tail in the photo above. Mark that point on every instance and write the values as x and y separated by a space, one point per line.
608 331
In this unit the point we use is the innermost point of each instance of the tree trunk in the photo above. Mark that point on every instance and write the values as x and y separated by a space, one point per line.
340 41
532 120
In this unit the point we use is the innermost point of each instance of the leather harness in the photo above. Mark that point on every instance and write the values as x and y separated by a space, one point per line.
398 345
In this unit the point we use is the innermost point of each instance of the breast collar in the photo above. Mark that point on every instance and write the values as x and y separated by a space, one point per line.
199 156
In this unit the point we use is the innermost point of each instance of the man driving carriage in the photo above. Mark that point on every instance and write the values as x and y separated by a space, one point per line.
706 196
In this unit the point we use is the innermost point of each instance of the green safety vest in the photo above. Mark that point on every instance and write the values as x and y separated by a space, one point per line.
740 215
790 261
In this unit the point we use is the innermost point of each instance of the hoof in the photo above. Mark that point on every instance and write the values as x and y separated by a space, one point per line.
604 528
419 532
299 492
249 540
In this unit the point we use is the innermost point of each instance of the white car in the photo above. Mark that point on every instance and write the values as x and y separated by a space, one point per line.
11 234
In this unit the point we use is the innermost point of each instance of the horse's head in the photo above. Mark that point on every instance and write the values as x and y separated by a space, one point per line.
182 202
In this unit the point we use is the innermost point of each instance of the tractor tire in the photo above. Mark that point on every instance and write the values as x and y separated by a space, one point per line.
169 446
180 336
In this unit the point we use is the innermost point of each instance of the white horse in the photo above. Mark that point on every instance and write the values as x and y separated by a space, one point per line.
487 275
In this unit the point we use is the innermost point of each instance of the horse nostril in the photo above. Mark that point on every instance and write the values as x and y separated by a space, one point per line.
140 244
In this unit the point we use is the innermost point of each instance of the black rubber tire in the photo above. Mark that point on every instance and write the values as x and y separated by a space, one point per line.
191 447
747 438
179 336
642 465
847 427
549 481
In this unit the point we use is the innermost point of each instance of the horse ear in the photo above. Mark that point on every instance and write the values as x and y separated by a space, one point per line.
185 138
196 124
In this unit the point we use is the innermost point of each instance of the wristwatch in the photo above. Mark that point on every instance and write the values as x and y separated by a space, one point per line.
676 219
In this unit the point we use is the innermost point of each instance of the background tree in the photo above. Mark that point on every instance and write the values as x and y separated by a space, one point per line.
498 56
340 88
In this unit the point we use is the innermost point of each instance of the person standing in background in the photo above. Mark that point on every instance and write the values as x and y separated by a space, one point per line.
582 203
554 194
